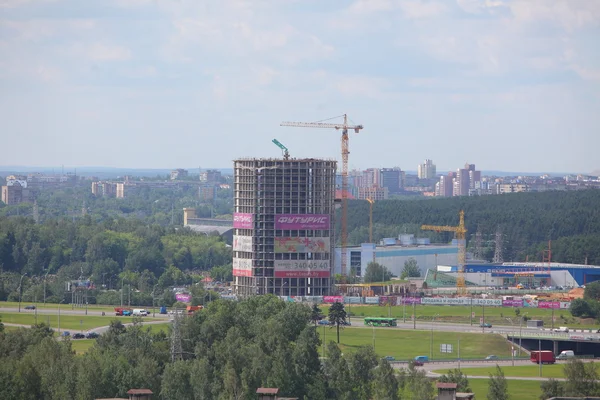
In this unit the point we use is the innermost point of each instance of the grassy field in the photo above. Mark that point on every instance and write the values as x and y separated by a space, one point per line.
50 306
517 390
69 322
407 344
82 345
462 314
525 371
154 328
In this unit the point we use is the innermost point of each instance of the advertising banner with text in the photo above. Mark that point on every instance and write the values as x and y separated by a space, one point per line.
565 305
409 300
333 299
387 300
301 221
462 301
242 267
530 303
301 245
243 220
548 304
371 300
183 297
512 303
242 243
302 268
353 300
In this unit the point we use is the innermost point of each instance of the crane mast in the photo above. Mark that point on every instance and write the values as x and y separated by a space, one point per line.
461 233
344 127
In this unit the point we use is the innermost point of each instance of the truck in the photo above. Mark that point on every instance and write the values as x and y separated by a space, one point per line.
192 309
543 357
120 311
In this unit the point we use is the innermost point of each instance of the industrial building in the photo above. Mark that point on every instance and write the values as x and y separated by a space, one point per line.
392 253
283 225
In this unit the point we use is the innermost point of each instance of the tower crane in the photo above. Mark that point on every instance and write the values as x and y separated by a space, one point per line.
460 232
344 127
286 154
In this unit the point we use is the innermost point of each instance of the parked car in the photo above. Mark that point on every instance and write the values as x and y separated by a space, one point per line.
92 335
491 357
66 333
32 307
485 325
78 336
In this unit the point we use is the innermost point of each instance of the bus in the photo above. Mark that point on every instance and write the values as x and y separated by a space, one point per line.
380 321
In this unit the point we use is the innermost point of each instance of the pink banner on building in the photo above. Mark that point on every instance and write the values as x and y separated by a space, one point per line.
301 221
387 300
242 272
548 304
333 299
243 220
512 303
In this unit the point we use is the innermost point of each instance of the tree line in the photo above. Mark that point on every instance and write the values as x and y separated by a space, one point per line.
109 253
526 221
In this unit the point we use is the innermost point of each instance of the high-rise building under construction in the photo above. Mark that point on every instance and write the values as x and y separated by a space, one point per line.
283 224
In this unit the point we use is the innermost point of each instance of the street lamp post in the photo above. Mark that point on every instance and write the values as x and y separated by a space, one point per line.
512 343
45 276
59 316
431 345
520 332
21 289
122 283
153 311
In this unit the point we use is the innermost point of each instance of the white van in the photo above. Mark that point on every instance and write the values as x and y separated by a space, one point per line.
139 312
561 329
565 354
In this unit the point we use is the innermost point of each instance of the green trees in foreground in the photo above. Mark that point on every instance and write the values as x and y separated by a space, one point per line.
227 351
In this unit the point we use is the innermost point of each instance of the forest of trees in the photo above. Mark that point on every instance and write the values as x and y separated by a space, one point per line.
228 350
526 220
110 253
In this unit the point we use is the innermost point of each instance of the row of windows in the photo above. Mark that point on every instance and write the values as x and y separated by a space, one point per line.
269 234
270 256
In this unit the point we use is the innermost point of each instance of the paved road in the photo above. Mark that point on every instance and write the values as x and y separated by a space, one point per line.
67 310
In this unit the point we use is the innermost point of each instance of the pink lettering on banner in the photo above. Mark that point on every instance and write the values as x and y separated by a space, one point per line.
333 299
512 303
548 304
301 221
243 220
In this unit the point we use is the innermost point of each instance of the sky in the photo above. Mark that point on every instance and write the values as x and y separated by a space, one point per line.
506 85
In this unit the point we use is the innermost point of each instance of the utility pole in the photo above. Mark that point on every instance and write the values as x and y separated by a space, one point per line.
21 289
498 257
414 315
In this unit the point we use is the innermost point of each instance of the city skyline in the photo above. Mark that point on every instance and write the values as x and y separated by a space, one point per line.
512 86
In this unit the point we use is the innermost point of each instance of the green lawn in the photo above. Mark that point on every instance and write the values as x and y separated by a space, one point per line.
69 322
404 345
517 390
82 345
462 314
155 328
41 305
548 371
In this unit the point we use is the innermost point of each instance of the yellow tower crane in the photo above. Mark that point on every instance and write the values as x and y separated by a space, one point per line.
460 233
344 128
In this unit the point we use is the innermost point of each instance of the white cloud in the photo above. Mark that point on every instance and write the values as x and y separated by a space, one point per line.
104 52
421 9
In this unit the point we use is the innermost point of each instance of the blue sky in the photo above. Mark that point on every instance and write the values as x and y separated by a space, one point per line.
507 85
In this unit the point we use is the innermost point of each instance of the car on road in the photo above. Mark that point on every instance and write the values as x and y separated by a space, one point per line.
417 363
92 335
32 307
491 357
389 358
66 334
485 325
324 322
78 336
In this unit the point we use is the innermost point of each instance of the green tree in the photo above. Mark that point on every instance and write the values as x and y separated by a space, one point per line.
337 317
592 291
411 269
315 314
497 386
176 382
385 383
376 272
416 385
361 365
338 374
551 388
581 379
582 308
456 376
